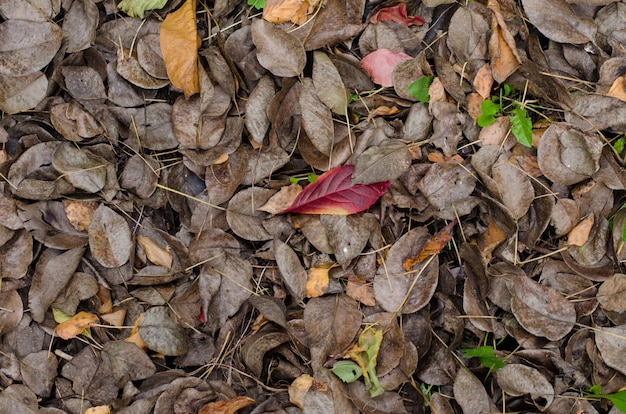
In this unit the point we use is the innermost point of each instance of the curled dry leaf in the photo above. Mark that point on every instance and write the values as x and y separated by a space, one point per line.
156 254
179 46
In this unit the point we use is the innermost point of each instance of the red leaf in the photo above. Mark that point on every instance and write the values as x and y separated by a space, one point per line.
381 63
396 14
333 193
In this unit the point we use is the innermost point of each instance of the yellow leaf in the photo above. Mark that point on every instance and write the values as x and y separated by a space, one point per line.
299 389
101 409
179 47
155 253
226 407
317 282
134 337
80 213
75 325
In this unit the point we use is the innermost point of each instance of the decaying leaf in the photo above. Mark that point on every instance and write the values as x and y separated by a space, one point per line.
136 8
76 324
434 246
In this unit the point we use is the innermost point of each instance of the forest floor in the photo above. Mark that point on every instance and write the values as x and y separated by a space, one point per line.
317 206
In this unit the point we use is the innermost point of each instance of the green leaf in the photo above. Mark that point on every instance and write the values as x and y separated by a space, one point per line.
419 88
365 354
618 398
595 389
312 177
347 371
136 8
624 233
522 127
485 355
618 145
508 89
257 4
489 110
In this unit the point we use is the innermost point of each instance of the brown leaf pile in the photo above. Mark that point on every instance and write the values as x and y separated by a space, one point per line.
144 164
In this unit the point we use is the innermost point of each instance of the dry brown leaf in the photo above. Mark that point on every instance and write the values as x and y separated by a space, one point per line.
75 325
490 238
436 91
226 407
502 48
104 295
282 199
529 164
618 88
483 81
116 317
179 47
382 110
474 103
156 254
579 235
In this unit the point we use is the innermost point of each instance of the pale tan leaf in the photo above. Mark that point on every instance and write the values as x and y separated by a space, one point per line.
156 254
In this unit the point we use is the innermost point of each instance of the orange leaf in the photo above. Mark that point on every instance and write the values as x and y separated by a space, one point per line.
156 254
361 291
433 247
317 281
179 47
226 407
483 81
502 49
491 238
579 235
75 325
280 11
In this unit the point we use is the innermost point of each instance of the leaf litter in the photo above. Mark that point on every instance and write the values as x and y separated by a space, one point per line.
312 206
